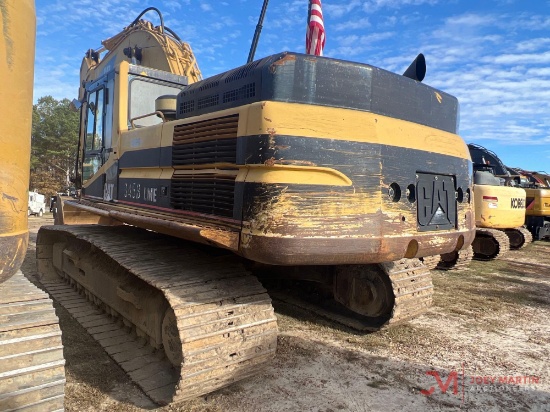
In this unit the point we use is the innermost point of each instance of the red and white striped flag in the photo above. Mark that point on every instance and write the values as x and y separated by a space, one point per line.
315 33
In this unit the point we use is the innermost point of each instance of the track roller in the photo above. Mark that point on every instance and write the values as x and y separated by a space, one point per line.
367 297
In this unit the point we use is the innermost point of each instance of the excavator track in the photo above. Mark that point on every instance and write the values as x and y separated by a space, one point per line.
431 262
490 244
32 371
219 326
456 260
412 288
519 237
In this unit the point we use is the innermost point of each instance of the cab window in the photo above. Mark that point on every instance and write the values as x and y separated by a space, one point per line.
94 134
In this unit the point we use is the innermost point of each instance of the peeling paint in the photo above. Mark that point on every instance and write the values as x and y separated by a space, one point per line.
270 161
285 60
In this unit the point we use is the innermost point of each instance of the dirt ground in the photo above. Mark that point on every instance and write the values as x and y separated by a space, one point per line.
484 345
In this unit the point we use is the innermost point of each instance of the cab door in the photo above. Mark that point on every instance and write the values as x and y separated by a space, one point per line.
94 148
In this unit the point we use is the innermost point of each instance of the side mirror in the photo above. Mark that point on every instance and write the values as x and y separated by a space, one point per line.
75 105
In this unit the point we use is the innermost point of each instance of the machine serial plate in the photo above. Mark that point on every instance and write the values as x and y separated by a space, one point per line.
436 202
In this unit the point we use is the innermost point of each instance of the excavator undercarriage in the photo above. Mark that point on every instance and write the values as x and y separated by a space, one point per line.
179 320
184 319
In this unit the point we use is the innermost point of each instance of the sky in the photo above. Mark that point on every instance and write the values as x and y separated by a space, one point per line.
493 55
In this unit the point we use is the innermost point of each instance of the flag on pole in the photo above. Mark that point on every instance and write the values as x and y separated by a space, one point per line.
315 33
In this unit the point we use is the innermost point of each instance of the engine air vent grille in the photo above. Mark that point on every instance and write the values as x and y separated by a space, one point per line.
241 72
208 194
243 92
208 101
188 106
205 142
209 85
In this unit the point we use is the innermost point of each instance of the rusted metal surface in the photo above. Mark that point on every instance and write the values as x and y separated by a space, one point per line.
113 215
207 322
289 250
302 251
290 220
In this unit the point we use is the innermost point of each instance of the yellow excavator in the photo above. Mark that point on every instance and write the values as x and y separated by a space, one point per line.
500 206
32 374
292 165
537 188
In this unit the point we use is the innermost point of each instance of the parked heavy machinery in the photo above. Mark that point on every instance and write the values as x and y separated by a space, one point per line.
499 206
537 188
300 166
538 212
31 354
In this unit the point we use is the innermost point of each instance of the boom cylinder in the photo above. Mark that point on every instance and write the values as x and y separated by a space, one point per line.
17 23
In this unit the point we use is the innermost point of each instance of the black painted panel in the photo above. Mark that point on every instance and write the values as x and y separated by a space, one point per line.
299 78
154 157
95 188
153 192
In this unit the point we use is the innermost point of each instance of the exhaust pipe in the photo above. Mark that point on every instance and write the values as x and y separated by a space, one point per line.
417 69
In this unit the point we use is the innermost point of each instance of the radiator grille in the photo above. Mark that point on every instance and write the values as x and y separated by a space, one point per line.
204 194
201 143
209 141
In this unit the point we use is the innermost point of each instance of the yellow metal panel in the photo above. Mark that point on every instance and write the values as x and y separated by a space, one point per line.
541 204
144 173
139 139
499 207
282 118
17 25
304 175
121 99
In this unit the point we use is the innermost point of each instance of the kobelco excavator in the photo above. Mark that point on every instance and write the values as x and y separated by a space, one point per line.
32 374
317 169
499 206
